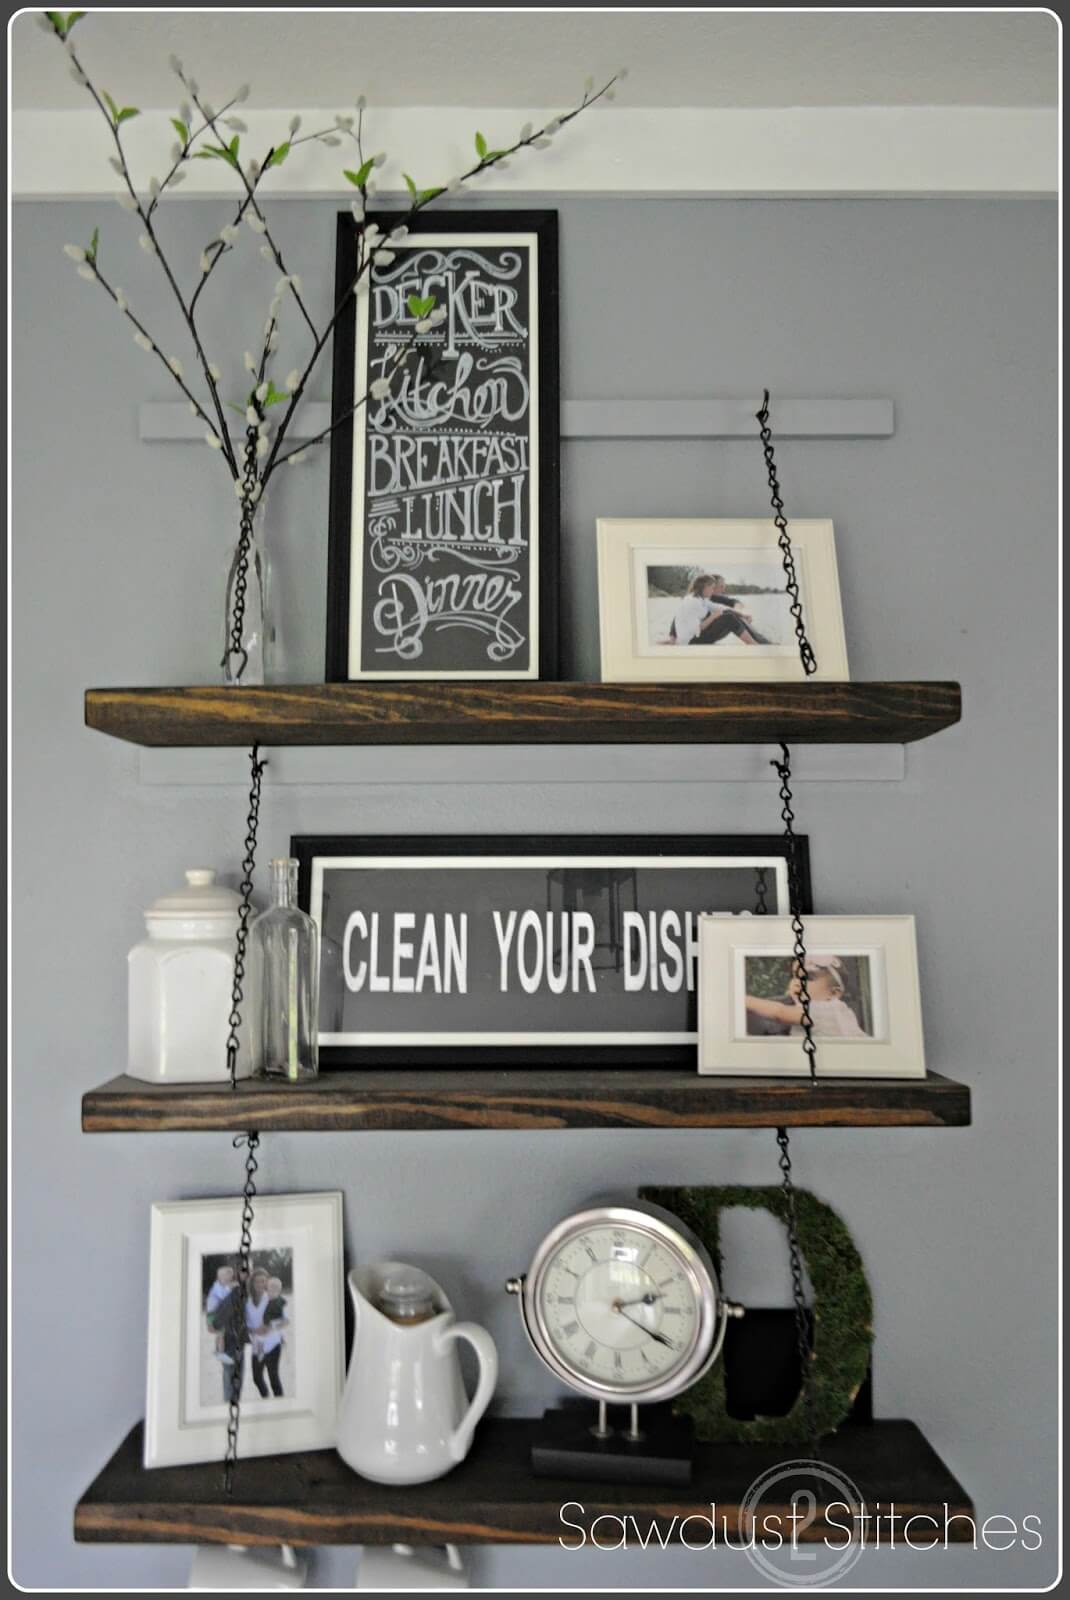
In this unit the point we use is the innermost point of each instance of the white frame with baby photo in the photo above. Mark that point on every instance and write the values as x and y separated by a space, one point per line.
180 1425
893 1048
629 655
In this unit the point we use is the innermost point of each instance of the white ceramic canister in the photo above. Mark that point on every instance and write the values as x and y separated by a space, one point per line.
180 982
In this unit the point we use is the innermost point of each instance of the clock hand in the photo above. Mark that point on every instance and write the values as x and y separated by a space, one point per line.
660 1337
643 1300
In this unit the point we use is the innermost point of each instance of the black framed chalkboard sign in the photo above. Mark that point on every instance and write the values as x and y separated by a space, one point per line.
504 950
442 557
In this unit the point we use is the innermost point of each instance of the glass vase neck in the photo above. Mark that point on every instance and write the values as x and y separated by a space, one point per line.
284 881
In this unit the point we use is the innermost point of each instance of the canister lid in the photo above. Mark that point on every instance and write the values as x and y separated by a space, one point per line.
201 897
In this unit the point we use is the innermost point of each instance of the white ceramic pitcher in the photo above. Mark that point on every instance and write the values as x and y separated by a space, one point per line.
405 1416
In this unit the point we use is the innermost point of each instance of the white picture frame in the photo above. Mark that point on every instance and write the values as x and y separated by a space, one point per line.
865 997
637 620
185 1410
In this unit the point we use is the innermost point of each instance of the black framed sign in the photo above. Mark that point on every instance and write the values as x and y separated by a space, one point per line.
523 950
442 558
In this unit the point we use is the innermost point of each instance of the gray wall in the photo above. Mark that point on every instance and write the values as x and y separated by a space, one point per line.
947 548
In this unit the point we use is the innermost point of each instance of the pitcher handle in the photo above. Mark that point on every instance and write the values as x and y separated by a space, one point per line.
460 1440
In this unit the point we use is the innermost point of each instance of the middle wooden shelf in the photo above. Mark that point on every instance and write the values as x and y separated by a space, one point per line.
413 1098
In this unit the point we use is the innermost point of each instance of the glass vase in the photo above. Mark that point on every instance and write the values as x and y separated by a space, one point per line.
284 973
257 631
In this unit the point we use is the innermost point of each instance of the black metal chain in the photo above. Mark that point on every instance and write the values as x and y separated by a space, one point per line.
761 891
233 649
245 910
791 843
240 1332
806 654
804 1332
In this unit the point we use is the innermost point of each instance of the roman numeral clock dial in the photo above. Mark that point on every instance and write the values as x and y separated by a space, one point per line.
622 1303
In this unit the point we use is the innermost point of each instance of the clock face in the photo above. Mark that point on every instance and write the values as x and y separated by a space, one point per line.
622 1308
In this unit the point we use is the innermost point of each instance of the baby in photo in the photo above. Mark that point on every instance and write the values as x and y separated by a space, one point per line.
220 1291
831 1014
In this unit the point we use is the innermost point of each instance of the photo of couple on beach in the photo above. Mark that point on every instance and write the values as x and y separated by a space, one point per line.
732 604
252 1343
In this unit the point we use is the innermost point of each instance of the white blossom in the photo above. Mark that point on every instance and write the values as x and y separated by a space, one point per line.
273 341
253 170
396 235
588 85
552 126
229 233
526 131
383 258
438 315
276 305
362 102
371 186
252 416
379 158
242 94
208 111
239 488
455 184
261 392
263 427
357 208
283 284
176 366
194 87
329 138
295 123
206 261
295 280
257 224
541 144
176 152
293 378
262 446
267 252
213 441
142 340
236 124
372 232
175 64
176 177
292 460
502 161
214 372
269 327
185 113
75 252
424 325
121 300
194 409
610 94
116 165
154 187
379 388
127 201
86 271
343 122
146 243
250 364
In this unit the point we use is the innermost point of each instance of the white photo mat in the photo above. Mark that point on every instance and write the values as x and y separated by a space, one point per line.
181 1424
896 1047
628 546
446 241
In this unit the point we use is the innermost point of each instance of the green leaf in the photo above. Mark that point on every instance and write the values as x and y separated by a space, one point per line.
126 113
359 179
91 253
112 107
233 146
181 129
278 156
57 21
421 308
481 146
410 186
430 194
72 18
274 397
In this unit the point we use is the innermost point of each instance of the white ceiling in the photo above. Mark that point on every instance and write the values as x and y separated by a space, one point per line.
539 58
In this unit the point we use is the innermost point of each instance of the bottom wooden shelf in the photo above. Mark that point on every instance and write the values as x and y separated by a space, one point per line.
314 1499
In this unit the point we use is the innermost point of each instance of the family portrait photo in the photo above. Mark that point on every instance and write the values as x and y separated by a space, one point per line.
840 989
247 1351
713 601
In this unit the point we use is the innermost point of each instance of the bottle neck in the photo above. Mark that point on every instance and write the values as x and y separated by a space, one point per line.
284 883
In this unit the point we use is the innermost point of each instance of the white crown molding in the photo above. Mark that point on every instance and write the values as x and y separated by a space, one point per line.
879 151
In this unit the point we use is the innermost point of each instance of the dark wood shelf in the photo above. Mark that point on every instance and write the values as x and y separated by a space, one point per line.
314 1499
402 1098
527 713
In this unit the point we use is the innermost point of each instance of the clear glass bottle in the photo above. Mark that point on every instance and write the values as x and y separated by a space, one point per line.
284 968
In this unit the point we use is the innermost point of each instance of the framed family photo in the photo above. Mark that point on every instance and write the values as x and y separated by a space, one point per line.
865 1002
567 950
697 599
287 1346
442 559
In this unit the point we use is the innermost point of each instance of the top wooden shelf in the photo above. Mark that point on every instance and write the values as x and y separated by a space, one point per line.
432 713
